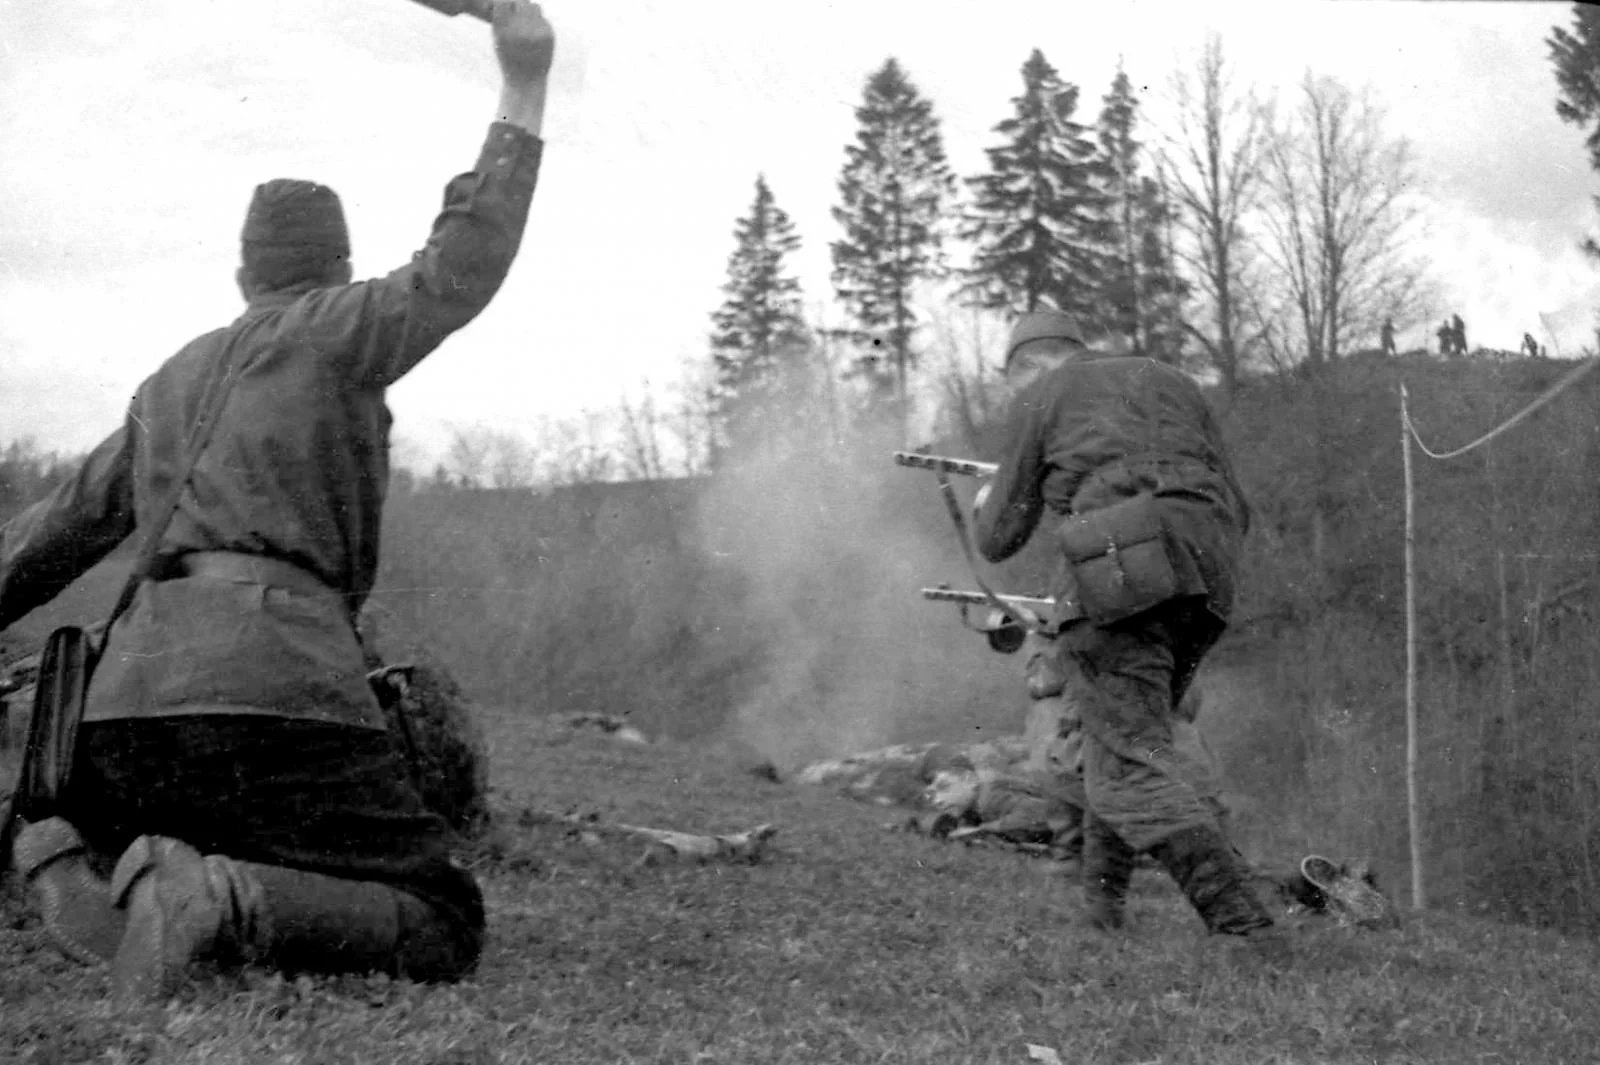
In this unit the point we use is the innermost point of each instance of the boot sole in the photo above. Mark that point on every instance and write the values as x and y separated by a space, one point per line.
79 913
86 930
172 922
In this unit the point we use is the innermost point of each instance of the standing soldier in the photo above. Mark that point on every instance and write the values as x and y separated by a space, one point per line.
233 767
1109 450
1458 334
1388 336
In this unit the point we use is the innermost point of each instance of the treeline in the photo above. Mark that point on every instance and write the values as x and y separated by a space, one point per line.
27 473
1246 232
638 440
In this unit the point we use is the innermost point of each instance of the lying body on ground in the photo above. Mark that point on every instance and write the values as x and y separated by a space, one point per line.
986 792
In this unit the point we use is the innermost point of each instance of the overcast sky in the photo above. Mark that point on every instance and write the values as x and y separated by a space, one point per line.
132 134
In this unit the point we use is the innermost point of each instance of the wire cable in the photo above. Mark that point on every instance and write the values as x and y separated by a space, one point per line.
1571 378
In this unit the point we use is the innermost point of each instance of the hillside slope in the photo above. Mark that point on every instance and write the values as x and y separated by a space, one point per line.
777 605
847 944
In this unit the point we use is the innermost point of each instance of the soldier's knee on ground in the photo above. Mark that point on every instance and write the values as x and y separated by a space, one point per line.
327 924
183 908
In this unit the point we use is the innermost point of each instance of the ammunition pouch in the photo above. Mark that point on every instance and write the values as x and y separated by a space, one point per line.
60 691
1125 560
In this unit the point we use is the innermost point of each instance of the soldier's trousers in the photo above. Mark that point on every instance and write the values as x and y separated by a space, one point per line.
1145 772
321 798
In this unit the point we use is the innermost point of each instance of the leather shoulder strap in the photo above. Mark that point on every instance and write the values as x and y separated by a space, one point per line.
217 391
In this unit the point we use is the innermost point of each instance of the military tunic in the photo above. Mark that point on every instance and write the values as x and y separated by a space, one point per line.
230 708
295 473
1084 436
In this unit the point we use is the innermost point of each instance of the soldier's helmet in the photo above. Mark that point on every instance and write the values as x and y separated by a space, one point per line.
1351 892
1044 325
1085 340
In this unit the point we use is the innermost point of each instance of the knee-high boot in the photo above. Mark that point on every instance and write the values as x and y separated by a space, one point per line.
1208 871
77 907
1108 862
183 908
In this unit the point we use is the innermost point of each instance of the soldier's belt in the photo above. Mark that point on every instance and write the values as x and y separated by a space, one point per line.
247 569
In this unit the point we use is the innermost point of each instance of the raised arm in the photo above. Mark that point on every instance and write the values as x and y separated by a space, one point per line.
477 235
525 45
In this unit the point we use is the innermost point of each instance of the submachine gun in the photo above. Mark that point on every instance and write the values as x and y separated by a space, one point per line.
1003 633
1009 618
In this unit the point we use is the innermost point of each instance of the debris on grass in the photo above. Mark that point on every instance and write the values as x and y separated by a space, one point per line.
748 846
607 724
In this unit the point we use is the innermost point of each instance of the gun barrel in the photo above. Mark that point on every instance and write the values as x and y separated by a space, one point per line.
966 467
961 595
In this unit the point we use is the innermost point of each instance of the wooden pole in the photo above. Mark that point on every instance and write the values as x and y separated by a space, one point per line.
1413 808
1493 740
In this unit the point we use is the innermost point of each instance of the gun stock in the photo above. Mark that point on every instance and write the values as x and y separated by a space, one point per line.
965 467
480 9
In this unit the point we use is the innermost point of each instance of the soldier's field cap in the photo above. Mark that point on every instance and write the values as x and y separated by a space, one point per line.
288 212
1043 325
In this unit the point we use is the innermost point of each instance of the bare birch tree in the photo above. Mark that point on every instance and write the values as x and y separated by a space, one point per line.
1213 157
467 455
481 457
692 422
576 450
641 438
1337 215
966 343
513 462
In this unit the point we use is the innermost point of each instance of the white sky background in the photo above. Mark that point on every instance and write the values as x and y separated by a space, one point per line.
132 134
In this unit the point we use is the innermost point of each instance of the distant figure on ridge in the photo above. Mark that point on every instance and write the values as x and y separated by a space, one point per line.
1446 339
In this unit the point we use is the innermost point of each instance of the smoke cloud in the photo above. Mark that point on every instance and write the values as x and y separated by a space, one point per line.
834 544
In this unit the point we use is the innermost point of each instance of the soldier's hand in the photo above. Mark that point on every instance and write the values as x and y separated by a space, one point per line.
979 500
524 42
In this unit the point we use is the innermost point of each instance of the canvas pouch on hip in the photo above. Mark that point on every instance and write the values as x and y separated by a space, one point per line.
65 666
1124 560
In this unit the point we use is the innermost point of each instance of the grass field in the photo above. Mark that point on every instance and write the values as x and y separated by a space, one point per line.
848 943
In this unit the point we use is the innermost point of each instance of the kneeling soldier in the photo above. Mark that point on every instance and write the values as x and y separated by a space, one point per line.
233 773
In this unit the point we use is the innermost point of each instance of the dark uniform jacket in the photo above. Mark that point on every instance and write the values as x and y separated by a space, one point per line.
1090 433
295 473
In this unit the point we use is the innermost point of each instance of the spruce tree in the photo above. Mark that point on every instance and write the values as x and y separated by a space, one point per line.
1122 287
1165 290
1038 219
759 326
1576 57
893 193
1141 290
